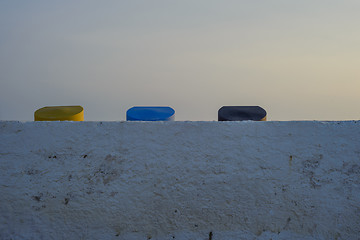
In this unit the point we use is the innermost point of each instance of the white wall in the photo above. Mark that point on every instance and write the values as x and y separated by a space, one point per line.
180 180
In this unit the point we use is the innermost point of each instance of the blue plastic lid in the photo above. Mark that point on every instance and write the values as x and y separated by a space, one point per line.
150 114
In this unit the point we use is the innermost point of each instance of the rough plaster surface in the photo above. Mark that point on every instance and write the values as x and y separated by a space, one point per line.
180 180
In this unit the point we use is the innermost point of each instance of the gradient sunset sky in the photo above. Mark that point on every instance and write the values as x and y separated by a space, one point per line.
299 60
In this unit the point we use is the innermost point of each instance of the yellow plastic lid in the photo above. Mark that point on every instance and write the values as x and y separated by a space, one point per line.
60 113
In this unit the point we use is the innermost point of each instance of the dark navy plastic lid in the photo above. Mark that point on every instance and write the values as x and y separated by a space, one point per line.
150 114
241 113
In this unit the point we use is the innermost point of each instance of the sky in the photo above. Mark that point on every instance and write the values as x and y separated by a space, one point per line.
299 60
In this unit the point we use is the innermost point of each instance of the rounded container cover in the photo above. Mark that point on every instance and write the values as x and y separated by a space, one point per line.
150 114
60 113
241 113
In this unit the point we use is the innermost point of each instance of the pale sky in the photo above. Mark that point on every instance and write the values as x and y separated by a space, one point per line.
299 60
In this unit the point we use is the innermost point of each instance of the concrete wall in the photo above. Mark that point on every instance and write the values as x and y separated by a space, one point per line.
180 180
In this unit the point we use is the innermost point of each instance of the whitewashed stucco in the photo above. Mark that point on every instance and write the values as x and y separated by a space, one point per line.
180 180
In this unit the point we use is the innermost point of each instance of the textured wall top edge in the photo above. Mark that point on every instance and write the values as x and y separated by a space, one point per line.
180 180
